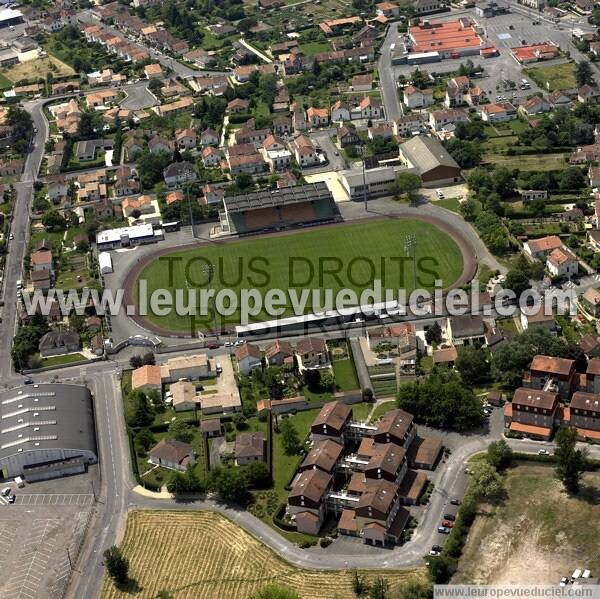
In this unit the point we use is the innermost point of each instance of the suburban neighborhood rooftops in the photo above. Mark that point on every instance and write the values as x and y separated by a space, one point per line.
311 484
395 422
323 455
173 451
582 400
250 445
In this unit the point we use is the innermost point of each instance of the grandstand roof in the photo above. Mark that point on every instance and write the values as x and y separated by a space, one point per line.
278 197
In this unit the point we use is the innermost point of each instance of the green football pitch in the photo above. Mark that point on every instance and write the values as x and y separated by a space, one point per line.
345 256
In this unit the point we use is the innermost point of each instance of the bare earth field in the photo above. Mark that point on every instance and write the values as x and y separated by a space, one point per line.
202 555
38 68
539 535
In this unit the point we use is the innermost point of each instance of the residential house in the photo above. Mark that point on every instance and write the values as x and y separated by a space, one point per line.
541 248
282 125
467 329
438 119
178 173
209 137
456 91
584 412
409 124
238 106
558 98
55 343
340 111
212 194
304 151
362 83
248 357
153 71
246 163
311 352
159 144
382 129
590 301
347 136
387 9
184 396
561 262
279 353
126 182
532 413
529 195
249 447
41 260
211 157
172 454
414 97
371 108
317 117
588 94
185 139
307 500
538 320
535 105
331 422
549 373
498 113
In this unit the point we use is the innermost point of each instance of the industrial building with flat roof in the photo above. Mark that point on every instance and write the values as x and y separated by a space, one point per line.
450 39
127 236
46 431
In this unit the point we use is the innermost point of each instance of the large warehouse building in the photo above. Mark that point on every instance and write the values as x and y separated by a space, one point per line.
46 431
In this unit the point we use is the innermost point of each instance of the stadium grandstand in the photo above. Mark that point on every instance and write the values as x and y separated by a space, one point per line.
277 209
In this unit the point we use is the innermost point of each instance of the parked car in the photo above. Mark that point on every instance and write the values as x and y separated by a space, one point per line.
543 452
6 491
444 530
447 523
563 581
436 548
11 499
434 553
450 517
455 501
213 346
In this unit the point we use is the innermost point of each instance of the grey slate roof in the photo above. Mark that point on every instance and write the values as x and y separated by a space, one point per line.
426 153
42 417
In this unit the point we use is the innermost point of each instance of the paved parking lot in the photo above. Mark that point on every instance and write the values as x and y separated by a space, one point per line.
36 549
54 499
499 33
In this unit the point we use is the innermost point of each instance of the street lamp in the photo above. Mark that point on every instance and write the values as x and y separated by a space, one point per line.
363 151
410 247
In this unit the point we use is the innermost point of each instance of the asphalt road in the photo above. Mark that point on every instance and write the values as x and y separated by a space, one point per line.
388 77
13 270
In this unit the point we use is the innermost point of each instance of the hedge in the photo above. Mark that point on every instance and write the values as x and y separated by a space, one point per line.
278 519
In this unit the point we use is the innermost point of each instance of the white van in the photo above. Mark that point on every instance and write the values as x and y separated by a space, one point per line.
586 574
219 368
576 574
19 284
19 482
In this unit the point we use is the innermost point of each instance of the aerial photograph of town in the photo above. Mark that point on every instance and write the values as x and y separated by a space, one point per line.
299 299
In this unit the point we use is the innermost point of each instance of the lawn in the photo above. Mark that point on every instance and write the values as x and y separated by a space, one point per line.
529 162
345 375
5 83
66 359
203 555
344 256
38 68
559 76
311 48
452 204
538 535
381 409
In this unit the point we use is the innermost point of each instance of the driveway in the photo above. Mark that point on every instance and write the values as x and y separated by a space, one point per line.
138 96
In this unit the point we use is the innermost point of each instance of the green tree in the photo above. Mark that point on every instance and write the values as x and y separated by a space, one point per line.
518 281
407 183
466 153
179 430
117 565
141 413
570 461
380 589
486 483
53 221
257 475
433 335
415 590
289 437
499 454
359 584
274 591
230 484
441 400
584 74
472 364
